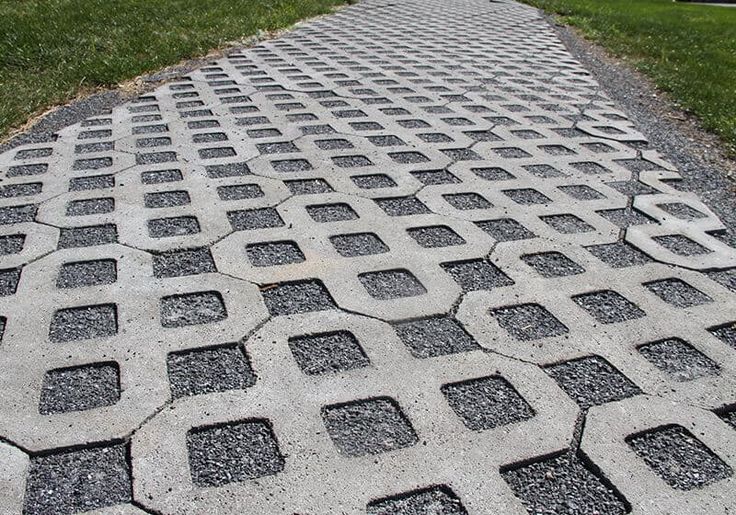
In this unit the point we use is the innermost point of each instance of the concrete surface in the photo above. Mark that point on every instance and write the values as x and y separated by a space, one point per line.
407 258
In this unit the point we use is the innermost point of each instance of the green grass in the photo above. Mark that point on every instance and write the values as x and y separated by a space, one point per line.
689 51
51 50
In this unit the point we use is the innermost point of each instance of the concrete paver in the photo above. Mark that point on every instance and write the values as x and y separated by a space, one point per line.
407 257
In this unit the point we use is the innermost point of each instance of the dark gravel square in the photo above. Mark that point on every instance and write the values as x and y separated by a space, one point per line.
12 244
552 264
591 381
331 212
477 274
351 161
88 236
95 182
505 229
487 402
567 223
161 176
528 322
368 426
239 191
333 144
581 192
192 309
86 207
436 500
84 322
297 297
563 485
174 226
87 273
78 480
291 165
328 352
21 190
402 206
493 173
9 281
274 253
166 199
232 452
308 186
619 254
681 245
433 177
679 458
80 388
678 293
374 181
18 214
391 284
726 333
177 263
625 217
435 236
678 359
408 157
252 219
208 370
608 306
437 336
359 244
527 196
466 201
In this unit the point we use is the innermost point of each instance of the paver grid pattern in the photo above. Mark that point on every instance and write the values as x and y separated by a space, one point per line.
406 258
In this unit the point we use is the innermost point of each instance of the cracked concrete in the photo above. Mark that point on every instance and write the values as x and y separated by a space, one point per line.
413 242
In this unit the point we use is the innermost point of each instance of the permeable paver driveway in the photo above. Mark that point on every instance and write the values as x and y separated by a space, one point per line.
407 258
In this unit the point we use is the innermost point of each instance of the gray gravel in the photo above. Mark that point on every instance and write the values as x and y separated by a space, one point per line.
174 226
359 244
505 229
274 253
177 263
552 264
331 212
328 352
608 306
79 388
678 293
435 236
208 370
591 381
222 454
250 219
192 309
369 426
297 297
619 255
391 284
528 322
432 337
477 274
678 359
88 236
83 322
87 273
487 402
563 485
679 458
79 480
402 206
436 500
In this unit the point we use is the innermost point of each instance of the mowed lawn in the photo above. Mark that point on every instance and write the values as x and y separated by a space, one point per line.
688 50
51 50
